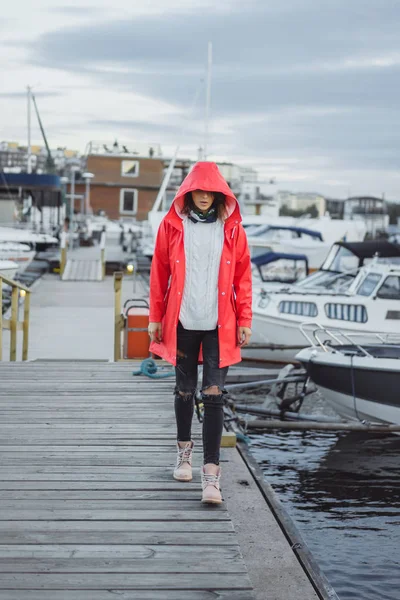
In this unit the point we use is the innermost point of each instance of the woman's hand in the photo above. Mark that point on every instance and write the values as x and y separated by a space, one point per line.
243 336
155 332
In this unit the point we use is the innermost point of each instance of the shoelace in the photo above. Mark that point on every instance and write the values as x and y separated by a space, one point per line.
184 455
210 479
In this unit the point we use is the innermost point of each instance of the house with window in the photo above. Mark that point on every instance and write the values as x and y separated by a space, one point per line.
124 184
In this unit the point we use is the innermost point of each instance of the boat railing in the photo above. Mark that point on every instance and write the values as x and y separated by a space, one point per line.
13 324
344 338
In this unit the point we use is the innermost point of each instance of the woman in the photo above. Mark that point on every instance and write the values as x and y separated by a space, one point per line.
200 308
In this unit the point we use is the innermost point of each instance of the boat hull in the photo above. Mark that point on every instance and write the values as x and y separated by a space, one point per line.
356 387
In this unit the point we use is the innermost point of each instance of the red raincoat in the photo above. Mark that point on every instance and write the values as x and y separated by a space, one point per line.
167 276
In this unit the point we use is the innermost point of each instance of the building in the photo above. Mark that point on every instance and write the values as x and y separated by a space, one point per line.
301 201
14 158
125 183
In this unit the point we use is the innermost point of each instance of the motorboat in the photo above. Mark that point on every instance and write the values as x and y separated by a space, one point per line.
314 240
20 254
8 268
38 241
358 374
364 298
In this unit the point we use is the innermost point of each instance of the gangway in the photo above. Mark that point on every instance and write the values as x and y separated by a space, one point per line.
82 264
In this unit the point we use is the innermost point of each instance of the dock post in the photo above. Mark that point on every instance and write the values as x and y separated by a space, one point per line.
63 247
118 319
14 324
25 325
103 253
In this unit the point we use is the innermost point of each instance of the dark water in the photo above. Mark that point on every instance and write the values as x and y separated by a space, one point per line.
343 493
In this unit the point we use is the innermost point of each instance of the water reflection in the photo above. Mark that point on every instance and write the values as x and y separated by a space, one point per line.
343 492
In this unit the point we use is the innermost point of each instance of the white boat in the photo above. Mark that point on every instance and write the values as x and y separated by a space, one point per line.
21 254
313 238
8 268
38 241
359 378
364 298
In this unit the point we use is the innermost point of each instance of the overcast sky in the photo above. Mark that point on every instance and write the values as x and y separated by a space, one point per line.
306 91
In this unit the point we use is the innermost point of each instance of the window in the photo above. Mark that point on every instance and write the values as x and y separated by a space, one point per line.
346 312
390 289
295 307
130 168
128 201
369 284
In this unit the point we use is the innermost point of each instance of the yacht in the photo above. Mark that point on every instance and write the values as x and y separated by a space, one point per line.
352 371
38 241
357 288
310 237
20 254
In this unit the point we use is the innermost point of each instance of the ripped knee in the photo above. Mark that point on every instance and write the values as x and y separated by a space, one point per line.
212 390
184 395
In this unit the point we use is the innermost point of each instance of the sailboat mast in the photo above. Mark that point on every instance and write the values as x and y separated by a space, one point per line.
29 166
208 99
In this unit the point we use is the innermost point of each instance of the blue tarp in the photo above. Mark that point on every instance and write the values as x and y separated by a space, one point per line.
298 230
30 180
268 257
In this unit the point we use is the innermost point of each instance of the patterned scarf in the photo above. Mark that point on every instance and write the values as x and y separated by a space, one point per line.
199 217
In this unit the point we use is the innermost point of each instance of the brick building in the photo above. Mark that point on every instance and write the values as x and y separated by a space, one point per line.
124 185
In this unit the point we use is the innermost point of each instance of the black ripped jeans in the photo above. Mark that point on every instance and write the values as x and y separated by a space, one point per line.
188 347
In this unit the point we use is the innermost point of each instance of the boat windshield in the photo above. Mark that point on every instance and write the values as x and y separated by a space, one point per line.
340 259
334 282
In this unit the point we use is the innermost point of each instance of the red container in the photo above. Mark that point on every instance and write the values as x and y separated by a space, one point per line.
137 339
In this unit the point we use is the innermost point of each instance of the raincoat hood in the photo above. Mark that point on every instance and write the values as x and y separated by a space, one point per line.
205 176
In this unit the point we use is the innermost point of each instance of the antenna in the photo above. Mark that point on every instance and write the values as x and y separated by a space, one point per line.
208 99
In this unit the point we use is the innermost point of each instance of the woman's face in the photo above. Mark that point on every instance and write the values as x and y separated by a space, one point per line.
203 200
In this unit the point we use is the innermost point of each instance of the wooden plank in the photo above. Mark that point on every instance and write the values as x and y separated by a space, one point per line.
102 529
108 515
133 496
79 534
116 505
88 459
86 594
151 581
20 486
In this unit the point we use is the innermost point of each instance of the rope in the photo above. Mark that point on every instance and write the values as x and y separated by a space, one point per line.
149 368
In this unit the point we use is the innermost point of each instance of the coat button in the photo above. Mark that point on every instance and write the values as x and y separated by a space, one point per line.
177 261
219 326
236 222
228 262
179 293
223 293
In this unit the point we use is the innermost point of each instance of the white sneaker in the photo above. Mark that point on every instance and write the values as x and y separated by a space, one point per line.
210 485
183 469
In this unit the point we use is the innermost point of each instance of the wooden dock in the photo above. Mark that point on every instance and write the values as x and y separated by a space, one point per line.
89 508
88 500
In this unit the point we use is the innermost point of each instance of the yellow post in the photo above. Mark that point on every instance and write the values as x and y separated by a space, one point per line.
14 324
63 246
118 277
103 263
25 327
1 320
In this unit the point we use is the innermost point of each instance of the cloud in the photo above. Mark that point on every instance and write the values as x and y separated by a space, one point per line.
298 78
74 10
